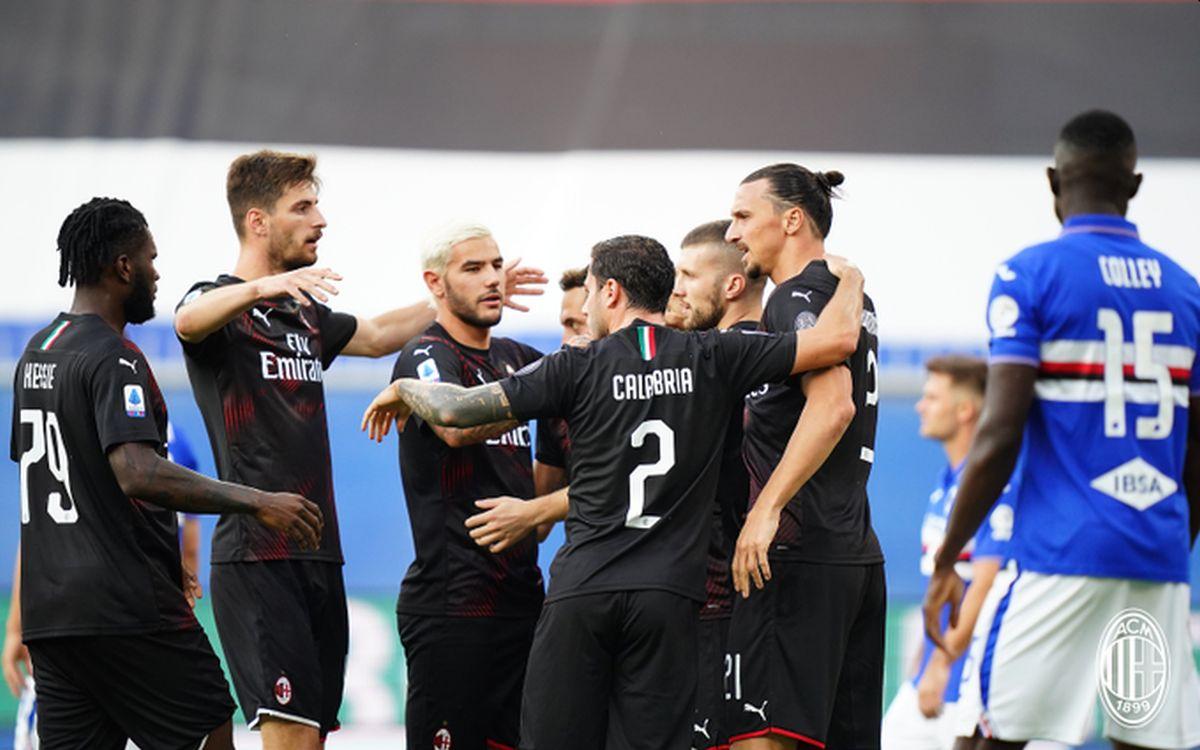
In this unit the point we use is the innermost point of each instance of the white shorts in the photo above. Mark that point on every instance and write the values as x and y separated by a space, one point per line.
1038 676
905 728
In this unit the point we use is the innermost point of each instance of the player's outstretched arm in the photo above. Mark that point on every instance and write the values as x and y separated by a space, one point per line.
441 404
209 312
507 520
989 465
1191 466
143 474
835 336
827 413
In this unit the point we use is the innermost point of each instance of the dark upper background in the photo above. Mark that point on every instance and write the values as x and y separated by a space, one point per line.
904 77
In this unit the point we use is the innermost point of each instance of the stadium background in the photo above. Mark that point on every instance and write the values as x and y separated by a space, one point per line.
559 124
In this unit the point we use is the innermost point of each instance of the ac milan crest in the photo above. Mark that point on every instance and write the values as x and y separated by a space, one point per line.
283 691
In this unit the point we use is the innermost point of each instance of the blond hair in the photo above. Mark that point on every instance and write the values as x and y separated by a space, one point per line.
437 245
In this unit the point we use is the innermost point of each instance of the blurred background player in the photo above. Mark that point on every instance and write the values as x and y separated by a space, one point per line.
256 343
713 291
809 445
465 615
116 650
18 674
1093 344
923 714
614 655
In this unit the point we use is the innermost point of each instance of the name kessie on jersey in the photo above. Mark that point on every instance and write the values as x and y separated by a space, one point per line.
39 375
641 386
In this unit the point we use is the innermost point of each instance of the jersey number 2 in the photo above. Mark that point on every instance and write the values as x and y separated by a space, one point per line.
636 518
1145 325
47 443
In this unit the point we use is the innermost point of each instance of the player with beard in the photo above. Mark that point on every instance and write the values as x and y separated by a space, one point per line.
614 654
808 445
465 615
256 343
712 290
115 647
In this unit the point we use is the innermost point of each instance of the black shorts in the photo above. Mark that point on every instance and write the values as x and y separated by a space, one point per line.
285 633
464 680
807 656
162 690
631 653
708 727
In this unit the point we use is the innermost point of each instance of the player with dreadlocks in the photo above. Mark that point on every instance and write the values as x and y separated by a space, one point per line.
117 651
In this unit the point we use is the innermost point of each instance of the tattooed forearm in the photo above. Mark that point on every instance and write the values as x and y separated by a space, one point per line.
451 405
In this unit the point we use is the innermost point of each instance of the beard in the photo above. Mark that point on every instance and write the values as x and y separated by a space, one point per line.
705 316
286 254
466 311
139 305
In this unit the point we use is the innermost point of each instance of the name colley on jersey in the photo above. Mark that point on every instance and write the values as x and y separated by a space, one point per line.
301 367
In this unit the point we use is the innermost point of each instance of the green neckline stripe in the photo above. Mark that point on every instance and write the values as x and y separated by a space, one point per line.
53 335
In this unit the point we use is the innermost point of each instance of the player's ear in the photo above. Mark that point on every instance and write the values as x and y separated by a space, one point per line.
612 293
123 268
793 220
433 282
1052 177
735 284
256 222
1137 183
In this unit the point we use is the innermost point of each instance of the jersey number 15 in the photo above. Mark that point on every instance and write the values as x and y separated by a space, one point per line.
1145 325
48 444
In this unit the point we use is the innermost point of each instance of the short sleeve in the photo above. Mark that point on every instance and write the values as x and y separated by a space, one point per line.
552 442
753 357
120 387
430 361
336 331
992 539
1012 316
544 387
213 343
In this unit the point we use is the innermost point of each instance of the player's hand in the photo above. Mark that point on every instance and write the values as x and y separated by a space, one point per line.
315 281
192 590
522 280
387 407
16 662
300 519
579 341
945 587
503 522
841 267
750 555
931 690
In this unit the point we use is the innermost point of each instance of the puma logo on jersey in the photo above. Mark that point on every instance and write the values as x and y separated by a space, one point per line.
702 729
423 351
806 296
131 365
761 711
261 316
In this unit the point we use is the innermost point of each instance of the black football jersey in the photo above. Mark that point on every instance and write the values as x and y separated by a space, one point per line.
451 575
733 493
93 560
829 520
648 409
259 383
